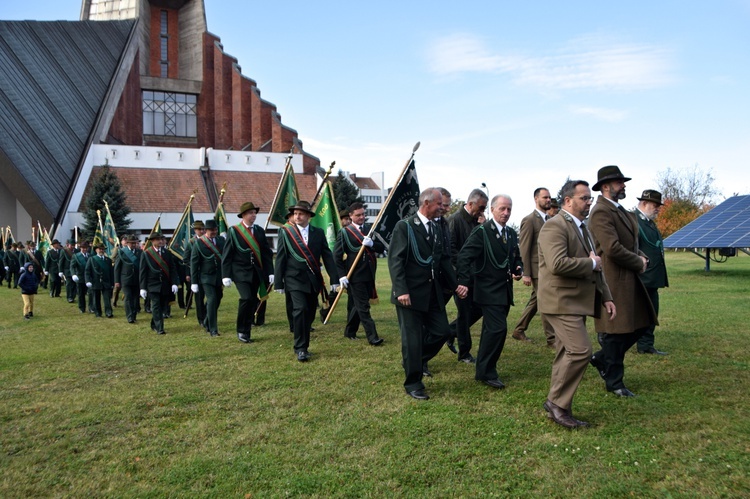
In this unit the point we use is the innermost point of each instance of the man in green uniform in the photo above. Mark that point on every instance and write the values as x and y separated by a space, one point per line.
53 264
71 288
205 273
158 279
77 273
127 275
199 297
100 280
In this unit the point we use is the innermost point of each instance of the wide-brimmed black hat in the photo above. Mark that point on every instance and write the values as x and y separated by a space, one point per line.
132 238
211 224
71 241
651 195
302 205
155 235
607 174
247 207
198 224
85 244
344 213
54 242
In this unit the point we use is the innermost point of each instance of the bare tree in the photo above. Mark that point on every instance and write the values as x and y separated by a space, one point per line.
687 186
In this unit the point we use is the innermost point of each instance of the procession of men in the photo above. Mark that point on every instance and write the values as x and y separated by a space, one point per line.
603 262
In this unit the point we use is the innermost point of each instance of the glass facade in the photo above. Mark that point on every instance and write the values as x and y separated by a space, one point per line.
170 113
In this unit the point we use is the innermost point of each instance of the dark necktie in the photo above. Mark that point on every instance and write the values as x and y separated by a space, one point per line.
504 234
429 229
586 237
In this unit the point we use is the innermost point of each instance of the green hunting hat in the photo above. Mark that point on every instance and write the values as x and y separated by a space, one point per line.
302 205
198 224
155 235
247 207
651 195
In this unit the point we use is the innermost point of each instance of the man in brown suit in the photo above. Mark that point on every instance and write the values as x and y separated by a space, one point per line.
616 232
527 240
571 286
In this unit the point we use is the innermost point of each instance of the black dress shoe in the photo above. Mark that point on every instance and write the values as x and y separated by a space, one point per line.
467 359
312 329
110 316
418 394
653 351
353 338
302 356
426 372
377 342
131 321
560 415
244 338
214 333
161 332
451 346
494 383
623 392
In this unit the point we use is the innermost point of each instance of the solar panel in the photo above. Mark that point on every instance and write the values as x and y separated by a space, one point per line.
726 226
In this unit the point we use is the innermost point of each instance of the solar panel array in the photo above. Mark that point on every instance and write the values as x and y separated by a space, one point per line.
726 226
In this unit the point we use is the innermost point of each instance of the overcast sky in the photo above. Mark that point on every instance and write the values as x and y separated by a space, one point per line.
514 94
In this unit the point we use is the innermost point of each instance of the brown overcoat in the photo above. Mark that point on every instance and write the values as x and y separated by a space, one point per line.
527 242
616 234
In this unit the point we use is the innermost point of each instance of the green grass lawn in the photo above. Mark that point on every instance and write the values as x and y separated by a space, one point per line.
98 407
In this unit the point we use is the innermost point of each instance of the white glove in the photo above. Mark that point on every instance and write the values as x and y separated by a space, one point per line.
75 278
344 282
226 282
60 274
334 288
367 242
7 269
46 273
88 284
270 279
280 291
144 294
194 288
174 288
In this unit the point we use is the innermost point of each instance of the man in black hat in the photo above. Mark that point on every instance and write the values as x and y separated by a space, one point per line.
100 280
554 208
71 288
616 232
199 298
12 262
205 273
127 275
300 249
53 268
361 286
655 276
77 274
158 279
247 260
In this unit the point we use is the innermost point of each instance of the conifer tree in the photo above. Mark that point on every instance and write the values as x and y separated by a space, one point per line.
345 191
106 186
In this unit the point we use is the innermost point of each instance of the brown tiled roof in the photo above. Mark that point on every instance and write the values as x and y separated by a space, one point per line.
160 191
363 182
259 188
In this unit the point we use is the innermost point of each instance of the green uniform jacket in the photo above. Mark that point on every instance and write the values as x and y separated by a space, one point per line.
53 262
238 260
652 245
295 275
205 264
489 261
127 266
346 249
78 265
151 276
100 273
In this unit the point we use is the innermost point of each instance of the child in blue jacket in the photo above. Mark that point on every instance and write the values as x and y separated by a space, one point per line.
29 284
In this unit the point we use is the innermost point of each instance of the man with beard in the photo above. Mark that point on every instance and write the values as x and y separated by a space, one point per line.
571 287
529 233
616 232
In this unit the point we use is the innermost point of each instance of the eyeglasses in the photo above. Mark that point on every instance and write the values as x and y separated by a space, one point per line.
585 199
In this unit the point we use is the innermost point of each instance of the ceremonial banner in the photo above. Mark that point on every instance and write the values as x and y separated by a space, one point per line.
111 242
183 232
221 220
327 215
157 228
44 242
286 195
401 203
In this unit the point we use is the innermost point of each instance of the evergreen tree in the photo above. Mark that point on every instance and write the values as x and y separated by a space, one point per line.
345 191
107 187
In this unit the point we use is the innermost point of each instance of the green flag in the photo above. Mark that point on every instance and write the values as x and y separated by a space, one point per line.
157 228
111 242
43 244
286 195
183 232
327 215
221 219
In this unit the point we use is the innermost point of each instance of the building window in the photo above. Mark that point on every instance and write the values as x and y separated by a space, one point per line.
170 113
164 45
372 199
371 213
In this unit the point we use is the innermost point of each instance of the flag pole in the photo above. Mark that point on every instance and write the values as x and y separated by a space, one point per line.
372 228
278 189
322 184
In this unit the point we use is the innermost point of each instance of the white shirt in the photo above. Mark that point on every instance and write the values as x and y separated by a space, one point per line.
304 231
578 224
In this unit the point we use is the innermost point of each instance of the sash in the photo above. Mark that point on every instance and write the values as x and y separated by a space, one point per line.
35 261
131 256
81 260
300 251
359 237
252 243
156 257
211 246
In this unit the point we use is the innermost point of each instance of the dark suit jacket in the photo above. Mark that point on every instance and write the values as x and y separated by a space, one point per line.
205 265
650 242
293 275
13 260
127 268
616 234
100 273
53 261
78 265
568 284
151 277
527 238
460 224
239 262
346 249
492 285
413 276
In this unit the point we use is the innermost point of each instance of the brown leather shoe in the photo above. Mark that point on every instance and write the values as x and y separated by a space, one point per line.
561 416
520 336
